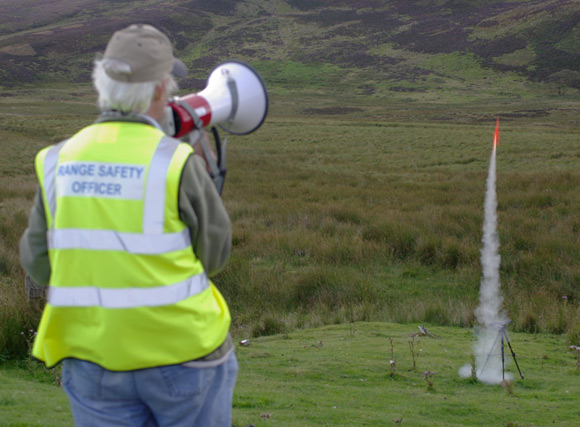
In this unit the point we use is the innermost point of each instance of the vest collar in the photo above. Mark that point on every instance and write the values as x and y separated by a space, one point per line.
117 116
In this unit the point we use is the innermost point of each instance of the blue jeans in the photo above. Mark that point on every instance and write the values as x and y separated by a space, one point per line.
165 396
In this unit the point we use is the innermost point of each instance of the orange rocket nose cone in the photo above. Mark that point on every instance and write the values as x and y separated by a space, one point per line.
496 135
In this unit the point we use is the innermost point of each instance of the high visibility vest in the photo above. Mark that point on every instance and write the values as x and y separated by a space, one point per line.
126 289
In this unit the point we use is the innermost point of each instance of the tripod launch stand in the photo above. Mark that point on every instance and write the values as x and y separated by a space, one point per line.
501 336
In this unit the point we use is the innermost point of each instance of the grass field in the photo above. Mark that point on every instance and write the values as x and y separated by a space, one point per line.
381 219
361 374
360 213
345 215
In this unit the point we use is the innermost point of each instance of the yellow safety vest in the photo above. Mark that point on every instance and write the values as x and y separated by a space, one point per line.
126 289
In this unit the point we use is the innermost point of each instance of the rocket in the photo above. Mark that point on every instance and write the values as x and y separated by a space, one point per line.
496 135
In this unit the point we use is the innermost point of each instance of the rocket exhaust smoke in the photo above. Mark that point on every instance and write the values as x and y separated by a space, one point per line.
489 313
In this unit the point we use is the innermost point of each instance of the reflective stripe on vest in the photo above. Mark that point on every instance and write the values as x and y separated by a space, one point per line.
127 297
50 163
151 242
109 240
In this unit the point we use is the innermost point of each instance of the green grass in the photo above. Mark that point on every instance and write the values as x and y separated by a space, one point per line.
345 202
367 212
372 213
342 375
29 397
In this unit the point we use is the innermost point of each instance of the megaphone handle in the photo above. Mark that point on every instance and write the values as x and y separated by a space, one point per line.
207 154
221 158
218 145
233 88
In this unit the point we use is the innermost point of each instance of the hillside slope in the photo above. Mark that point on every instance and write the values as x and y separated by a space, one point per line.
370 45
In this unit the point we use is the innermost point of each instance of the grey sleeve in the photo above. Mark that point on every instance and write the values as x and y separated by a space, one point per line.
202 210
33 244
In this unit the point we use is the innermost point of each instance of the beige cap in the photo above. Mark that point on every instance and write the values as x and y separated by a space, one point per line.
141 53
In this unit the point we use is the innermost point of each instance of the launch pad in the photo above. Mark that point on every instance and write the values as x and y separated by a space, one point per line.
501 338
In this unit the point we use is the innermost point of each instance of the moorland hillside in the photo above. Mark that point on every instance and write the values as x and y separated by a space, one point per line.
375 46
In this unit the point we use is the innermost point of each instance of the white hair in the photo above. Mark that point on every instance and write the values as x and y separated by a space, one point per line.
126 97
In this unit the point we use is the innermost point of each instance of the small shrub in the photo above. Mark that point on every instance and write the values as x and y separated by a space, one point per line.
508 386
4 269
377 233
573 335
346 216
576 350
414 354
392 360
427 251
268 325
530 323
473 374
17 314
314 287
437 314
451 256
402 243
428 378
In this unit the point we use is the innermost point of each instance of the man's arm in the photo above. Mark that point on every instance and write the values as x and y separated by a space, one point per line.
202 210
33 244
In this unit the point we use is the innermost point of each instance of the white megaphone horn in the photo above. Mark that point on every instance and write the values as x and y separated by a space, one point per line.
235 99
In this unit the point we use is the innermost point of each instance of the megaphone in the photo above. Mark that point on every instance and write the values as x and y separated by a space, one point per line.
235 99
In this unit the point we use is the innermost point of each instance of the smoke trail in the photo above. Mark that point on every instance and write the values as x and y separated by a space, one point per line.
490 298
488 314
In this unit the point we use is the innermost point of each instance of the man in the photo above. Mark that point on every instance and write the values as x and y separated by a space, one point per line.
125 229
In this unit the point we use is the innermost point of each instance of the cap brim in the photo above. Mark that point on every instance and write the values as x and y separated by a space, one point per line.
179 68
